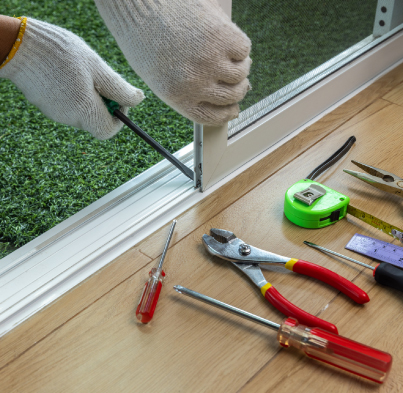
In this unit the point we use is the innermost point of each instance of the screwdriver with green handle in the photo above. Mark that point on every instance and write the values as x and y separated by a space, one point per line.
113 109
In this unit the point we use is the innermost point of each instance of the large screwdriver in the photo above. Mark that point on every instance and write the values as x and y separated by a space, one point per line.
152 288
316 343
384 273
113 109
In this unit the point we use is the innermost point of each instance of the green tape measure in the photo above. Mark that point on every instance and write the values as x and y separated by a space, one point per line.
310 204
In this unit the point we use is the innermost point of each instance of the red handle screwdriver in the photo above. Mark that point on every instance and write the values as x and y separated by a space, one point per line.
316 343
152 288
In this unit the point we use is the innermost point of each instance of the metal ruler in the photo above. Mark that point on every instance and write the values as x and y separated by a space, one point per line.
383 226
377 249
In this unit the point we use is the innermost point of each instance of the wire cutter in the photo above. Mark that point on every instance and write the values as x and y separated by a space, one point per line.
225 245
378 178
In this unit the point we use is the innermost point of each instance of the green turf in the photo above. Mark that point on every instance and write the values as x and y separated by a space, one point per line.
292 37
50 171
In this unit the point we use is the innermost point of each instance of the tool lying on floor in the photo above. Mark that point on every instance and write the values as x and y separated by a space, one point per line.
225 245
310 204
378 178
316 343
376 249
113 108
152 288
384 273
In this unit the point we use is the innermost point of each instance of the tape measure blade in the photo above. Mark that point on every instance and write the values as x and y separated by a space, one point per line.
376 249
374 221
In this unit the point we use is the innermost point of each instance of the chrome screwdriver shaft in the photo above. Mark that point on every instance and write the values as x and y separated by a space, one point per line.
171 231
323 249
227 307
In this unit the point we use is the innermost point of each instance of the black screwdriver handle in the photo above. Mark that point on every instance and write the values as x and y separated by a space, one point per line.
389 275
113 109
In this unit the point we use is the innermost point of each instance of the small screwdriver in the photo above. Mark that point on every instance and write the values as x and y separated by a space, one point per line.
384 273
316 343
152 288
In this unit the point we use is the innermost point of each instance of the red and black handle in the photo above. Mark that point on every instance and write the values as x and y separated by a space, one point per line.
389 275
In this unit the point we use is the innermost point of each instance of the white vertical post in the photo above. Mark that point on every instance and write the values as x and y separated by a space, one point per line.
215 139
198 155
226 5
389 14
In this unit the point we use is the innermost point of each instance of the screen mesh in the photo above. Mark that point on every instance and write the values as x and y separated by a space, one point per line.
290 38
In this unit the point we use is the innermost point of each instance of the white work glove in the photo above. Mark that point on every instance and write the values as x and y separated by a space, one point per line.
188 52
60 74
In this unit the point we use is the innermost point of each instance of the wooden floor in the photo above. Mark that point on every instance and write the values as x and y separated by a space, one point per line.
90 341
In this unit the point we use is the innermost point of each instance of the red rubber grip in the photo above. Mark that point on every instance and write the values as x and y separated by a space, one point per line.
290 310
331 278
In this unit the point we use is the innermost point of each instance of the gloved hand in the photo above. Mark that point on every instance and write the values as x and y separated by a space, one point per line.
60 74
188 52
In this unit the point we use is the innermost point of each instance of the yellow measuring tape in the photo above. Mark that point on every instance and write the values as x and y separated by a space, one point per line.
377 223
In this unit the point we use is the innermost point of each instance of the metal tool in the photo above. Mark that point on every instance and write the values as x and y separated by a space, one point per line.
152 288
113 108
313 245
377 223
316 343
382 180
225 245
383 273
376 249
378 178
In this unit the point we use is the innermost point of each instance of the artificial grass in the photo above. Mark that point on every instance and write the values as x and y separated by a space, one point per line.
292 37
49 171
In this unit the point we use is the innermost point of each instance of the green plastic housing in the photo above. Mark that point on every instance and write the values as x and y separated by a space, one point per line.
326 210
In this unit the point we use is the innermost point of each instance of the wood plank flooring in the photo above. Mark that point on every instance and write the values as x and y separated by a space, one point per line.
90 341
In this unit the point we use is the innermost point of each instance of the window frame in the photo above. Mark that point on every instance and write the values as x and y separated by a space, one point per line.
221 155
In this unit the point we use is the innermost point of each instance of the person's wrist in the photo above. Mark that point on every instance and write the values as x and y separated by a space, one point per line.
9 30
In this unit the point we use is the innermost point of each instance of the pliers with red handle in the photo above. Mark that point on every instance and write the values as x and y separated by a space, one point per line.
226 245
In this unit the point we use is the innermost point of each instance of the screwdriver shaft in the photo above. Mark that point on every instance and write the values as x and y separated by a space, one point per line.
320 248
154 144
227 307
171 231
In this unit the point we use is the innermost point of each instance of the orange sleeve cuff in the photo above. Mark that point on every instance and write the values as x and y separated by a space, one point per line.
17 42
